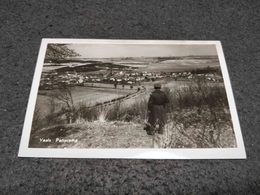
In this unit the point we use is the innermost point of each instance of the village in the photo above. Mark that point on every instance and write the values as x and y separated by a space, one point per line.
52 79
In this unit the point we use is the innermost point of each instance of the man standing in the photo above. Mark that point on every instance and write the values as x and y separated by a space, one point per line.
156 110
115 84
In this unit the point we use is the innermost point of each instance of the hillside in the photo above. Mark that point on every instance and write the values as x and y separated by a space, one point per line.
191 132
94 135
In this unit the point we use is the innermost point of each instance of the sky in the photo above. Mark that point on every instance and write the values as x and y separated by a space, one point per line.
140 50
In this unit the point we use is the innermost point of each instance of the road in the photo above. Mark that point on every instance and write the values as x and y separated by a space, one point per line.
121 99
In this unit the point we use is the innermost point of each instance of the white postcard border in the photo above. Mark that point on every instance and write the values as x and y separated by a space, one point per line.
178 153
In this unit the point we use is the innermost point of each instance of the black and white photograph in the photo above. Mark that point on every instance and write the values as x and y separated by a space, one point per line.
131 99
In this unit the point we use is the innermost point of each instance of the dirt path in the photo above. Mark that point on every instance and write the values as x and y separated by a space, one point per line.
94 135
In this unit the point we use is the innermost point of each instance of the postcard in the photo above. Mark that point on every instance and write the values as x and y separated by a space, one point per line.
141 99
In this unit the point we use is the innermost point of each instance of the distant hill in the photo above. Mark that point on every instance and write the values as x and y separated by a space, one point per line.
140 59
95 66
149 64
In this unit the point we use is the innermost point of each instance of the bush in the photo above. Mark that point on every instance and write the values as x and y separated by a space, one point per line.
136 112
199 95
87 113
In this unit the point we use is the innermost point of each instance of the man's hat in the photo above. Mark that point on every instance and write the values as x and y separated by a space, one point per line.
157 86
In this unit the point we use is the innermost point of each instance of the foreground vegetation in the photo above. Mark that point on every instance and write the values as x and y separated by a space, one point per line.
198 117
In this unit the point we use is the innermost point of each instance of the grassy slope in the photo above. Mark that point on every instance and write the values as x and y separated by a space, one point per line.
127 135
95 135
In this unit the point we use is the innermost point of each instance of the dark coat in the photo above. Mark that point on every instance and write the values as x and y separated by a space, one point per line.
157 108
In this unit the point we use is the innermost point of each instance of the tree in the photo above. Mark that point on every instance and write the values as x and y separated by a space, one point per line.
59 52
64 95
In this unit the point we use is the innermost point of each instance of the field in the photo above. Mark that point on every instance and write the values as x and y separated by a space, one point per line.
80 95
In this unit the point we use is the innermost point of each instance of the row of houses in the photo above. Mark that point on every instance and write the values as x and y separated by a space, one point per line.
53 79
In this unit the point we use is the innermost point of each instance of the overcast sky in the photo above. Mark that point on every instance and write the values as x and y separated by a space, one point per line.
130 50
